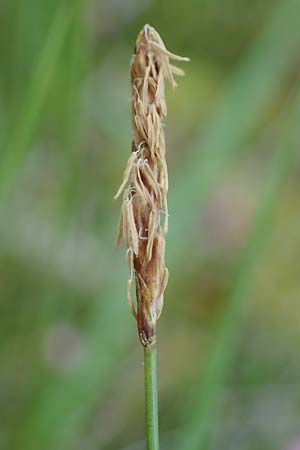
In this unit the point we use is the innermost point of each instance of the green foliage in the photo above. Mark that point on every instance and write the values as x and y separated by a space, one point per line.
71 365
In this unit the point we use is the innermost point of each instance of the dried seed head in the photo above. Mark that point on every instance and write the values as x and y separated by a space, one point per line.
145 181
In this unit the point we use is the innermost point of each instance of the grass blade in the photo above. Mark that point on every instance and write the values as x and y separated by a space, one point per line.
252 90
196 433
12 158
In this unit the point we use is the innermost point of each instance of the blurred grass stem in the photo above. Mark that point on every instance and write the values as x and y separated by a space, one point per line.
151 407
43 72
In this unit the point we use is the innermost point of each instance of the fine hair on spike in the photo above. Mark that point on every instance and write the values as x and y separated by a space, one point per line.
144 213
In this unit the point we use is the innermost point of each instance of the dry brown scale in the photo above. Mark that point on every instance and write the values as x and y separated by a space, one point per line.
144 213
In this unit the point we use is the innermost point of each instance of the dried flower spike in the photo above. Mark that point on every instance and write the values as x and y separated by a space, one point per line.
144 214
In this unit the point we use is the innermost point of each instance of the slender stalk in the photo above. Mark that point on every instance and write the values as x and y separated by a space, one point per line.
145 185
151 408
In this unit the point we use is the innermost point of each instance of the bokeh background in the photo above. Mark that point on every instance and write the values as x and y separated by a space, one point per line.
71 366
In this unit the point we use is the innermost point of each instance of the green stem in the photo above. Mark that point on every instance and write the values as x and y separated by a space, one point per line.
151 409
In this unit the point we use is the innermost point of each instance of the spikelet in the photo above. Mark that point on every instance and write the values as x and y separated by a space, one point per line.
144 214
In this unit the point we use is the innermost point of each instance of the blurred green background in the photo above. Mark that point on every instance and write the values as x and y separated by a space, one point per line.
71 373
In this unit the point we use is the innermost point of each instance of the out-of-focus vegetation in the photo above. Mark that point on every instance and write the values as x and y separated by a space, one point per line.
71 365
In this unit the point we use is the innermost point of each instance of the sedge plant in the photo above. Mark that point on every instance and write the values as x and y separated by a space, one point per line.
144 214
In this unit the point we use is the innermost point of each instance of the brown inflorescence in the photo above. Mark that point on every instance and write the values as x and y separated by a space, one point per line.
144 214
